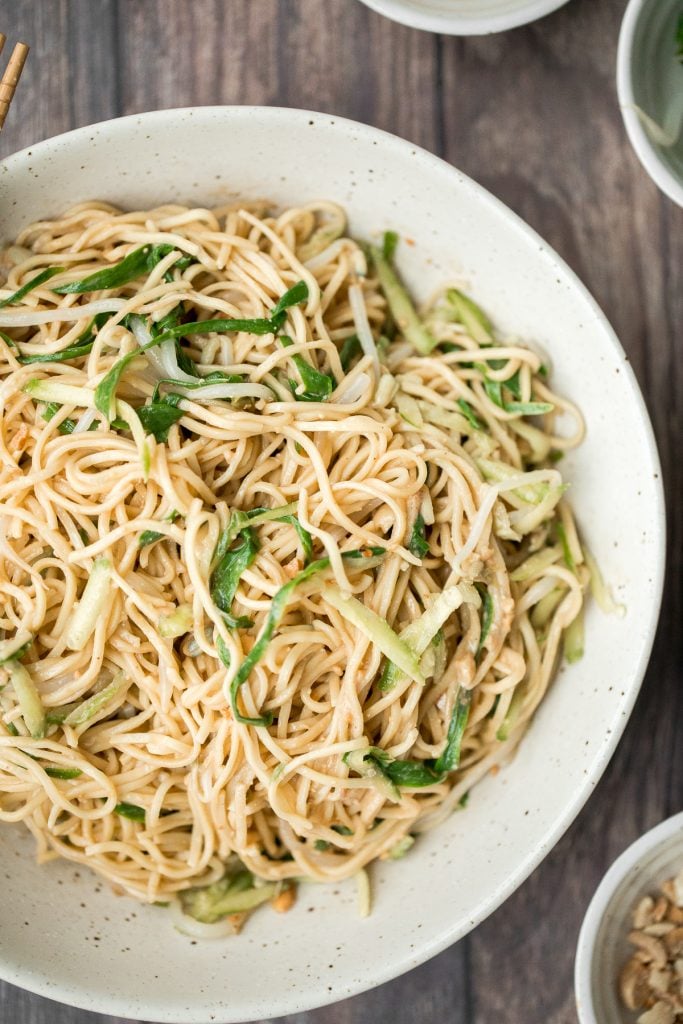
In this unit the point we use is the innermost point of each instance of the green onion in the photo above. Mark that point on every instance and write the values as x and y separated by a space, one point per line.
351 347
35 282
67 426
294 296
105 392
94 599
317 386
62 773
158 417
82 347
449 759
11 345
227 573
150 536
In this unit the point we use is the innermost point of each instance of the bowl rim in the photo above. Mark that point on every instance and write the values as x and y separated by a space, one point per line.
316 996
452 23
600 904
645 149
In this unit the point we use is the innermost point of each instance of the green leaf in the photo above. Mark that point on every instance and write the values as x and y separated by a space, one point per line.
82 347
135 264
11 345
35 282
159 417
679 38
217 377
470 415
351 347
416 774
150 536
487 614
317 386
449 760
297 294
105 393
63 773
417 545
413 774
227 573
131 811
304 536
566 551
389 243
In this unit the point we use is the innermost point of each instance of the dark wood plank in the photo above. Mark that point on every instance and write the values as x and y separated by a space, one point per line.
544 133
532 114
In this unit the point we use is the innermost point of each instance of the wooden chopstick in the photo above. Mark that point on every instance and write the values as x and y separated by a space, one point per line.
8 82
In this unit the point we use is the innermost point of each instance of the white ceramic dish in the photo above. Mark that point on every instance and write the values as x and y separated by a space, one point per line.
464 17
603 947
647 75
70 938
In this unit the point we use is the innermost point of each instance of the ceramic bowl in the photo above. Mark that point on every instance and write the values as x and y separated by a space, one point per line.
464 17
603 947
648 78
67 936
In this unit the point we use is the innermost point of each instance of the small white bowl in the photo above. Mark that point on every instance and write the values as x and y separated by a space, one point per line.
603 947
646 72
464 17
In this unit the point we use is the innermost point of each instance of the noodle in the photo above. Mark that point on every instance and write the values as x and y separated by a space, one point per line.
144 624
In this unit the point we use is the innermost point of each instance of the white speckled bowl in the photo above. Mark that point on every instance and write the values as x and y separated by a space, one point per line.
65 935
647 77
464 17
603 947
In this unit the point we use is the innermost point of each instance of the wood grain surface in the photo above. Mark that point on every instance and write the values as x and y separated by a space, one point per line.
532 114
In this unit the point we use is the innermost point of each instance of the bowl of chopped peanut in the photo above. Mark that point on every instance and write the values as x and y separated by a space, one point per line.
629 960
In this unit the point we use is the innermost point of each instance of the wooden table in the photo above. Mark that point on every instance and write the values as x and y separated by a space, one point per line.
533 116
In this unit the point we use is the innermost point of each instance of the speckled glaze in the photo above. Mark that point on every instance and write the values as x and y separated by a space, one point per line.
464 17
603 947
67 936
